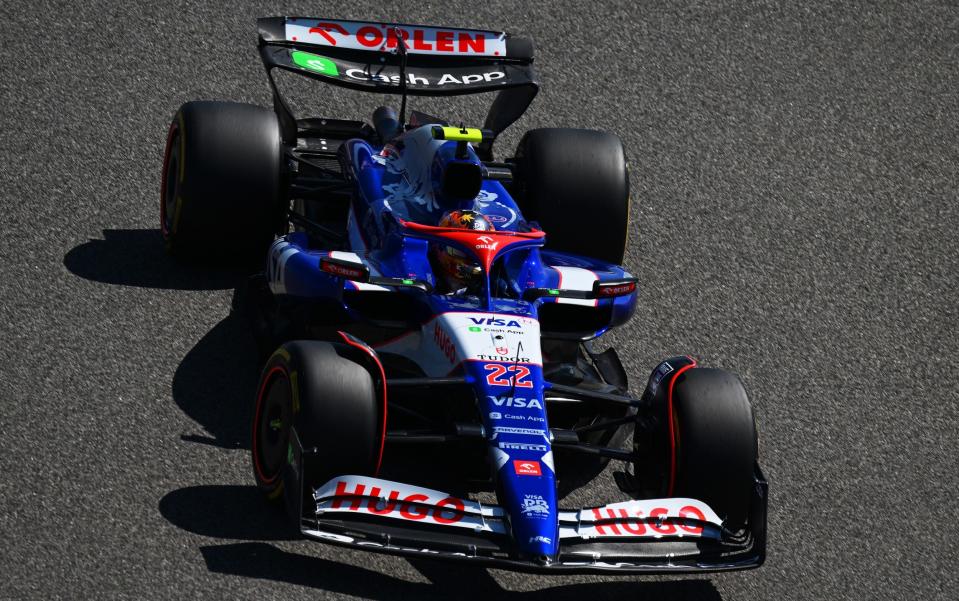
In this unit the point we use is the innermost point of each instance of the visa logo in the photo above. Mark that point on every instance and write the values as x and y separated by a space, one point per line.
495 321
520 403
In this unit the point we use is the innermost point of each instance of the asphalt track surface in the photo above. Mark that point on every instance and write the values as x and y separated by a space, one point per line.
794 219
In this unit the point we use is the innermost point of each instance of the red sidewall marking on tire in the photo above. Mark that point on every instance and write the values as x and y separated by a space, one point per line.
166 164
278 369
672 428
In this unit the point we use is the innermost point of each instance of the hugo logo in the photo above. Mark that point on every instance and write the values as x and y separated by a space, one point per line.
412 507
443 341
610 524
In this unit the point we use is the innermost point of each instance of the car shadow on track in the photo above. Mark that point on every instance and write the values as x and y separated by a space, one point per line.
215 382
265 561
240 513
221 511
136 258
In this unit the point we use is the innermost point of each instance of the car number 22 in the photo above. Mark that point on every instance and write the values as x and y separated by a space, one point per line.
497 375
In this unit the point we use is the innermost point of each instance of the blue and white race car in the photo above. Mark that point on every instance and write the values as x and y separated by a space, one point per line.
428 318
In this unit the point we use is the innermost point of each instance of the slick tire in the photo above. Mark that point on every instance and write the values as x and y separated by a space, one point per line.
220 191
715 442
332 404
575 184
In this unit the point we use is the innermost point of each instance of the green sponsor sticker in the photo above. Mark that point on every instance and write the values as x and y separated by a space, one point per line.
408 282
476 329
314 62
554 292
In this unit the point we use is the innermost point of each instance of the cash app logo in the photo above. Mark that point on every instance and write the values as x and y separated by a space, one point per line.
314 62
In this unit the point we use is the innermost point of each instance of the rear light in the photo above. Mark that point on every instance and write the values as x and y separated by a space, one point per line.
612 289
345 269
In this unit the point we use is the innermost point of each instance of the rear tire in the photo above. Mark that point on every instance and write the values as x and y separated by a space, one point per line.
332 404
220 193
575 184
716 444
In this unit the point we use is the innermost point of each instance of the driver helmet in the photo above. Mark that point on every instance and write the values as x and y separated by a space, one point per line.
457 269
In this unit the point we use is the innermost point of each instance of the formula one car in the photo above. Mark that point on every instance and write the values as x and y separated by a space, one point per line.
432 305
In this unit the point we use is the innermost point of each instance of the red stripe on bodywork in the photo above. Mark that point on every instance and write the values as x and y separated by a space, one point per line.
372 354
672 426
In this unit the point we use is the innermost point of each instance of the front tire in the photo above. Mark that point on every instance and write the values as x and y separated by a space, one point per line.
332 404
715 442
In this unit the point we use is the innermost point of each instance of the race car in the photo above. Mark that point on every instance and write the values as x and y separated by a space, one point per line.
422 304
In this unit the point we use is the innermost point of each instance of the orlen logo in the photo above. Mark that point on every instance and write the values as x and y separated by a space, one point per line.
495 321
443 341
325 30
526 468
445 511
377 36
509 401
487 243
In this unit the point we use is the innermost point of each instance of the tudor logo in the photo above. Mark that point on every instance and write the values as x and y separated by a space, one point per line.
503 358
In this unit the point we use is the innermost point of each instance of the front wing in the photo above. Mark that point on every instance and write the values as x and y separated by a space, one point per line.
638 536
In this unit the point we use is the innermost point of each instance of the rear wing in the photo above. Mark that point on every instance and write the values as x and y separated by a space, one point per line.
440 61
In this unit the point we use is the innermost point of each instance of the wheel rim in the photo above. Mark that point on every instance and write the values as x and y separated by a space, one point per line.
272 426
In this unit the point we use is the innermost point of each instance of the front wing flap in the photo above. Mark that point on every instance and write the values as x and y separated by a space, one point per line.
638 536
